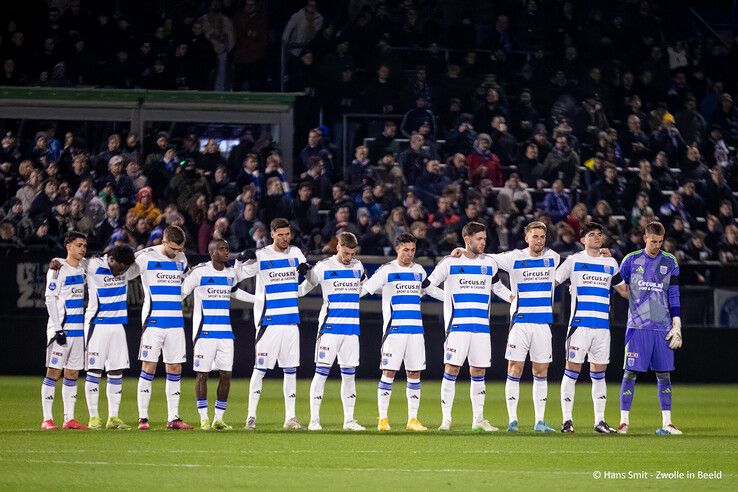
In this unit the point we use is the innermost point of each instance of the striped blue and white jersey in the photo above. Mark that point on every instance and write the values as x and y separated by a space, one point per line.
401 289
341 286
161 278
591 278
65 300
532 281
212 293
276 285
467 284
107 293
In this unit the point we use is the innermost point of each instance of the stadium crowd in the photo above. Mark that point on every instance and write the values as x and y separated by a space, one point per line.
561 111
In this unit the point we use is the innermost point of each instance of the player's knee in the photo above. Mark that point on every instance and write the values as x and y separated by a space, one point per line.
515 369
174 368
573 366
413 374
118 372
452 370
201 376
389 374
628 374
54 374
224 375
98 372
663 376
476 371
71 374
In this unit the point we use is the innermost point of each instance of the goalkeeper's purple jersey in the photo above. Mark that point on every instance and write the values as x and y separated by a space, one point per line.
648 282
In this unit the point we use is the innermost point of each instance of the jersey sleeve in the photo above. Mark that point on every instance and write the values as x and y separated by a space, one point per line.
617 278
625 267
300 257
247 269
311 280
439 273
375 282
504 260
53 285
190 282
563 273
133 271
556 258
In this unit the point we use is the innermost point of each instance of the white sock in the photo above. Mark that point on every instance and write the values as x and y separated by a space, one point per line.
257 377
599 395
144 394
69 396
220 408
625 417
202 408
92 393
540 393
290 392
384 393
512 395
317 388
413 398
114 392
48 388
348 392
448 391
172 388
568 386
477 394
665 417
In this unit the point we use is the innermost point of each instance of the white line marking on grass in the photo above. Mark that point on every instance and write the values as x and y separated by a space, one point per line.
290 468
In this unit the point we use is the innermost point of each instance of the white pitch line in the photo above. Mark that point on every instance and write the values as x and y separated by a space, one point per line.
291 468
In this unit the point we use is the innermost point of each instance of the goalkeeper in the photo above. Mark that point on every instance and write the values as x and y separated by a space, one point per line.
654 326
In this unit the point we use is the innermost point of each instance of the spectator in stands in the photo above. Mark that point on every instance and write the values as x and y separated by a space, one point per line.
396 224
726 213
419 115
695 249
431 183
413 159
557 202
144 207
341 222
250 30
361 171
492 107
728 249
514 198
667 139
133 171
674 208
662 173
207 227
635 142
718 191
375 242
380 94
457 169
8 236
220 184
561 163
690 123
692 166
504 144
185 184
423 247
640 208
274 169
643 182
462 136
241 235
384 143
567 243
726 117
41 240
365 201
315 147
32 185
693 202
578 217
211 157
341 198
483 164
275 203
43 204
120 183
305 210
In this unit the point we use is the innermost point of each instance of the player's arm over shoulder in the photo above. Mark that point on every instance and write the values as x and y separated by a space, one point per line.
563 272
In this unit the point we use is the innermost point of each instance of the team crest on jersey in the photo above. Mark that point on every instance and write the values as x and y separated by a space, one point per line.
572 354
663 269
52 286
197 363
180 266
54 360
92 361
321 355
357 273
145 353
418 276
449 355
385 362
485 270
292 262
260 361
631 361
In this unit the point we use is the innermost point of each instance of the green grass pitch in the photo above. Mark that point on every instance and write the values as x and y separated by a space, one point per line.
270 458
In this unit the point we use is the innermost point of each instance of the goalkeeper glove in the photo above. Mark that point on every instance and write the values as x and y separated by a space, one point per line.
675 334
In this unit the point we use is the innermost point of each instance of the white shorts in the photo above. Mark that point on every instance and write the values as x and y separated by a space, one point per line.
70 356
594 343
213 354
463 345
328 347
107 348
277 344
407 347
533 338
169 341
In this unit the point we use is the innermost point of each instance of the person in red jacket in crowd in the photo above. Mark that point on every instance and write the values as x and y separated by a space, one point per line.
483 164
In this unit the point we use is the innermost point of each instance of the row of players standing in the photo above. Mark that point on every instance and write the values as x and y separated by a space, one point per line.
469 277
